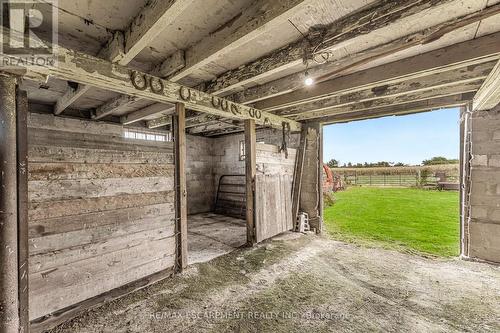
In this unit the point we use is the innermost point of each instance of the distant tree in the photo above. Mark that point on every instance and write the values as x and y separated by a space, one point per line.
439 160
349 165
333 163
400 164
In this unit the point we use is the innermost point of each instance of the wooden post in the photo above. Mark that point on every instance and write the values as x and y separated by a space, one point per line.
250 171
320 179
179 125
297 176
22 204
9 284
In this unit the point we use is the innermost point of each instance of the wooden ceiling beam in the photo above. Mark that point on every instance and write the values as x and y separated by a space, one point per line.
99 73
254 20
259 17
336 68
148 111
413 86
372 17
122 48
318 115
469 53
488 96
73 92
402 109
152 20
115 104
436 83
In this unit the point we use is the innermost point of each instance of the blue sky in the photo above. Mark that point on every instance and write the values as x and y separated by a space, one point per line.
408 139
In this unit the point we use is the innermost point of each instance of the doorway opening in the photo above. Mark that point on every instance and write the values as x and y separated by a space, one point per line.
395 182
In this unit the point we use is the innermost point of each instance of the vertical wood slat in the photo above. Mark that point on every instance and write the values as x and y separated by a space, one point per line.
250 172
180 185
22 206
9 283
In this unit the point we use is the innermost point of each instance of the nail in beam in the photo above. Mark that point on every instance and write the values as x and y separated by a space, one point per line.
9 303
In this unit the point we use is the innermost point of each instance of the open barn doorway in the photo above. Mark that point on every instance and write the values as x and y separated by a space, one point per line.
395 182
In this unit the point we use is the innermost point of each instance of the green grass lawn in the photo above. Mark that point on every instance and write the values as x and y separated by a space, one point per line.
407 219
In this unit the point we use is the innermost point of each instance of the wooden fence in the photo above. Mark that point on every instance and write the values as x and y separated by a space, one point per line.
399 176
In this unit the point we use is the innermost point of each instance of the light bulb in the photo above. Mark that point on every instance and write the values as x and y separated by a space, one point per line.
309 81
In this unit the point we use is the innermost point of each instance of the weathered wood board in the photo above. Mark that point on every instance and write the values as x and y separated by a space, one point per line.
101 210
273 191
273 205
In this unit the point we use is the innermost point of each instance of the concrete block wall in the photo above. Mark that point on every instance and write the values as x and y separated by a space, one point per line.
210 158
484 226
200 174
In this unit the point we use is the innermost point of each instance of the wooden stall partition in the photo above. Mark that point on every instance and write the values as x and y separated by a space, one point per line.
101 212
273 191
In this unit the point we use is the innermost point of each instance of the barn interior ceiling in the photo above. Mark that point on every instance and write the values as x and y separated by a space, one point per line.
361 58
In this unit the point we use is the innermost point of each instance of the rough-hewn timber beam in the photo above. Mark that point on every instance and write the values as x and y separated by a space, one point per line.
378 15
172 64
213 126
403 109
112 105
488 95
434 83
336 68
148 111
154 18
86 69
258 18
190 122
415 86
73 92
469 53
122 48
395 100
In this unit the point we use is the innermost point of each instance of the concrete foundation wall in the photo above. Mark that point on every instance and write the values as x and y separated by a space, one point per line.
201 188
484 226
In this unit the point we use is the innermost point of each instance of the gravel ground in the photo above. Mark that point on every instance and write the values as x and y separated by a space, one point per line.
309 284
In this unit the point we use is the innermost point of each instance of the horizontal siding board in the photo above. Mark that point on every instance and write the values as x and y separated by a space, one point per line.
67 171
66 189
49 260
58 225
58 242
60 208
74 125
59 291
59 138
51 154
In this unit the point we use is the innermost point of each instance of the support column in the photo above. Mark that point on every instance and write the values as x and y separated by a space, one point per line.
179 126
9 284
22 207
250 171
311 189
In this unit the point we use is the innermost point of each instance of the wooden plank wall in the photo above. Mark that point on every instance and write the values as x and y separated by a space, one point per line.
101 210
273 191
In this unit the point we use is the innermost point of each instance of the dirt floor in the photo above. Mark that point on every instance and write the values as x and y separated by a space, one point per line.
310 284
212 235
